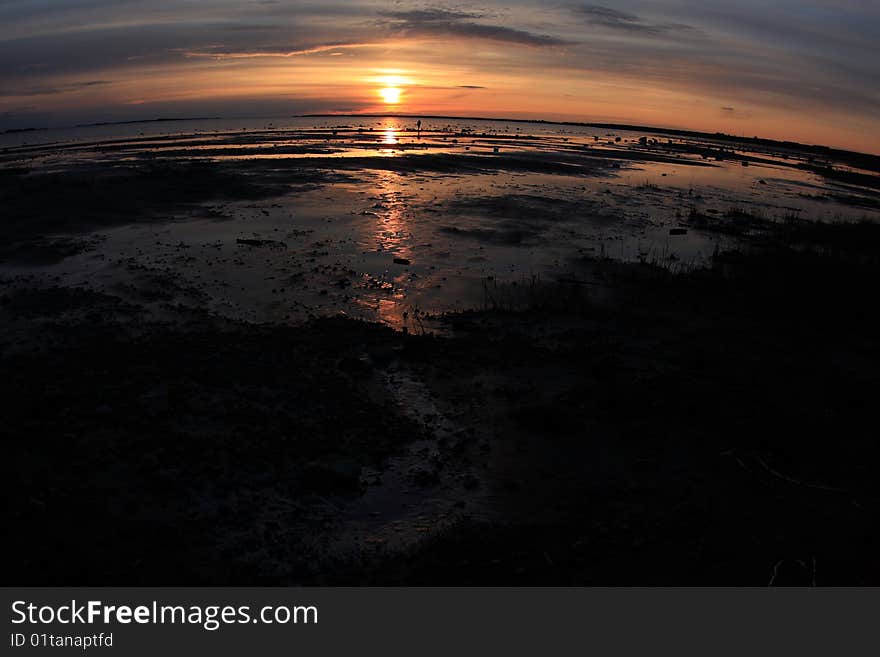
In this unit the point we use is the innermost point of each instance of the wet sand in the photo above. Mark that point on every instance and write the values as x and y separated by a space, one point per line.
345 354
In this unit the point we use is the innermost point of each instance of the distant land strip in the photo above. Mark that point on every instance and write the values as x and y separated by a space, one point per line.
159 120
12 131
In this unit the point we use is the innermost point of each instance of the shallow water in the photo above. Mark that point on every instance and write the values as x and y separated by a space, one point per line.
400 235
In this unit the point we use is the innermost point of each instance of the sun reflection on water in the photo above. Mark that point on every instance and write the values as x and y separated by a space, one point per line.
390 135
391 236
392 230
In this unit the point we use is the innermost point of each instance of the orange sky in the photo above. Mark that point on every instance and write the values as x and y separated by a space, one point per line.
782 73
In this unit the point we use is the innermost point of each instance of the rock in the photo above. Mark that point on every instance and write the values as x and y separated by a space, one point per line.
249 242
402 261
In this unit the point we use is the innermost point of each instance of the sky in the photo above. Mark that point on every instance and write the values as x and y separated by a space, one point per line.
806 70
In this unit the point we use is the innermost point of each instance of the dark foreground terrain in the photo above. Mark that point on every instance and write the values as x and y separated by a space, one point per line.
711 427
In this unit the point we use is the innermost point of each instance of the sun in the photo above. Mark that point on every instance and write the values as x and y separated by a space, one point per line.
391 88
390 95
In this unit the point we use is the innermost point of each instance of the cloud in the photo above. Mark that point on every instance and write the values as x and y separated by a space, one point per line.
612 18
449 23
620 21
46 90
434 15
218 52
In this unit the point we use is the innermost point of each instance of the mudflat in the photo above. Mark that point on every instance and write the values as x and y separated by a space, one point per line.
350 352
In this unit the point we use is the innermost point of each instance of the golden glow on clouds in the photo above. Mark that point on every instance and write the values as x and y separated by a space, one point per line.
434 82
472 72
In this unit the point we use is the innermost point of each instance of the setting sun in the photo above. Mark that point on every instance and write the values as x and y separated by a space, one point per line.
391 86
390 95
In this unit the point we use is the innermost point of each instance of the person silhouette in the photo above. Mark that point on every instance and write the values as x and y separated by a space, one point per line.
419 128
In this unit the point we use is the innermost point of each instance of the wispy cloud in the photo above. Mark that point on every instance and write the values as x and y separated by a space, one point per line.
219 52
452 23
621 21
47 90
